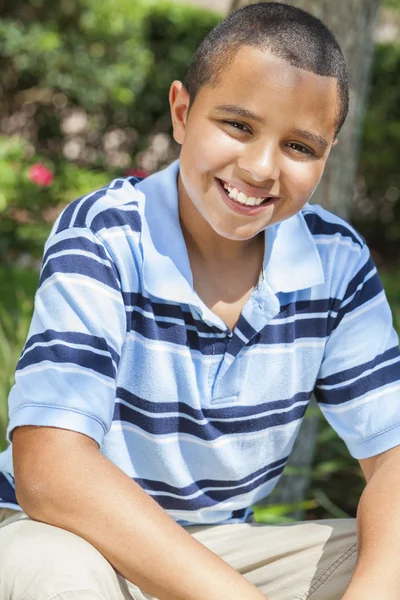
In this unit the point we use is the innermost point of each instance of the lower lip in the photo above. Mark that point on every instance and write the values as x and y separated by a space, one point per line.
242 209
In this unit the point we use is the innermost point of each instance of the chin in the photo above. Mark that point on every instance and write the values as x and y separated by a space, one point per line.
235 236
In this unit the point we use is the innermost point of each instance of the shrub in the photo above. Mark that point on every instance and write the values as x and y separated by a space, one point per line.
84 96
33 190
376 207
18 288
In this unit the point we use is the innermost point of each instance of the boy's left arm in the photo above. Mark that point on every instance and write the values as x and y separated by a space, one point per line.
377 573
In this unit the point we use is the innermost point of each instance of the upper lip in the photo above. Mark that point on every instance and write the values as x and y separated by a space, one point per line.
250 191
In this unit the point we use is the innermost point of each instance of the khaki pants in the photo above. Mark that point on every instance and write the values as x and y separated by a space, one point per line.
287 562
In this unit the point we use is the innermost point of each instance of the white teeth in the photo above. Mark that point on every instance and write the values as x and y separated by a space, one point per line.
240 197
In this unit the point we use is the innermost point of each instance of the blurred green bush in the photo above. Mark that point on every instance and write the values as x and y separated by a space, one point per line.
28 206
15 314
376 204
85 85
84 91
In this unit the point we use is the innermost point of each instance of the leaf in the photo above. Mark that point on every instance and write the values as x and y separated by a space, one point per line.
275 513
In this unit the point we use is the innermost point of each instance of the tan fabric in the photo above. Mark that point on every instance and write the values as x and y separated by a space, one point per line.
287 562
6 513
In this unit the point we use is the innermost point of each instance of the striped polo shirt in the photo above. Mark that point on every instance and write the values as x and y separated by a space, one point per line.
123 350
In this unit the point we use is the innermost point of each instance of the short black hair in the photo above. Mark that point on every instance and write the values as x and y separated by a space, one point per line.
290 33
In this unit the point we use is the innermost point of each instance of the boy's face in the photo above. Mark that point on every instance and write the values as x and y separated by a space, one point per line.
265 130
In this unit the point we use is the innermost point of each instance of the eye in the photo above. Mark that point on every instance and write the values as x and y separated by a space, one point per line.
300 149
237 125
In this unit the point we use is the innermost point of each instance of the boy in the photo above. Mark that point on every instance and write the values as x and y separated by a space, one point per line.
181 324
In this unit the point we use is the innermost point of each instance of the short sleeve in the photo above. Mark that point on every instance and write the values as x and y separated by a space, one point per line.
66 375
358 388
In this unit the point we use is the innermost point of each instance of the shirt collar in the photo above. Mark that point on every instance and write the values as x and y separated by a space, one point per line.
291 259
166 267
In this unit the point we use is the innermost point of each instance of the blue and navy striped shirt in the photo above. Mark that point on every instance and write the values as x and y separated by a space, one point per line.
123 350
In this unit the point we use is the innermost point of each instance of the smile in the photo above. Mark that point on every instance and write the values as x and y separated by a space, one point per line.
240 197
240 202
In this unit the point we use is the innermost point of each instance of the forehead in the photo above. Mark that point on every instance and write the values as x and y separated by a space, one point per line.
266 84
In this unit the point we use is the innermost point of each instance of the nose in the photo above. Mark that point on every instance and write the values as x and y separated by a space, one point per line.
261 161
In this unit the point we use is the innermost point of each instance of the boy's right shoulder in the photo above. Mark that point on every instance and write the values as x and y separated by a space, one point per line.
117 204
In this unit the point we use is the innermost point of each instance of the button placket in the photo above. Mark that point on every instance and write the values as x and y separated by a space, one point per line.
227 382
261 308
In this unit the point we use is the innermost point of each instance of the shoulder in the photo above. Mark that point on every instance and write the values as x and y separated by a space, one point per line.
324 225
114 205
99 232
343 252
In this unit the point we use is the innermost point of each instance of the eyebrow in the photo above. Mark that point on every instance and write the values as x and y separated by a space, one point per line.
247 114
313 137
241 112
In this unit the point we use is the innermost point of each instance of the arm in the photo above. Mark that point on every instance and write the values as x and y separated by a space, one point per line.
358 392
377 573
62 479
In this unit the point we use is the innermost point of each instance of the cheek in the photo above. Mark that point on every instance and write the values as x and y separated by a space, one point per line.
210 145
303 177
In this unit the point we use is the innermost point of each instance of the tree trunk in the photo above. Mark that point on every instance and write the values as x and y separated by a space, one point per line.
352 22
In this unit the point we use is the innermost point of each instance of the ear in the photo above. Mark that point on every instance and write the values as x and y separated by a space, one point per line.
179 104
335 141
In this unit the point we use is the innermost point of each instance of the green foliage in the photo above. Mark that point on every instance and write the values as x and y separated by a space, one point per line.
59 58
172 32
83 94
18 287
84 53
28 209
119 68
274 514
392 5
391 283
376 211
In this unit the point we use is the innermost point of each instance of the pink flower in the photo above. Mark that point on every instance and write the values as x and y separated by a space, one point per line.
40 175
136 173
